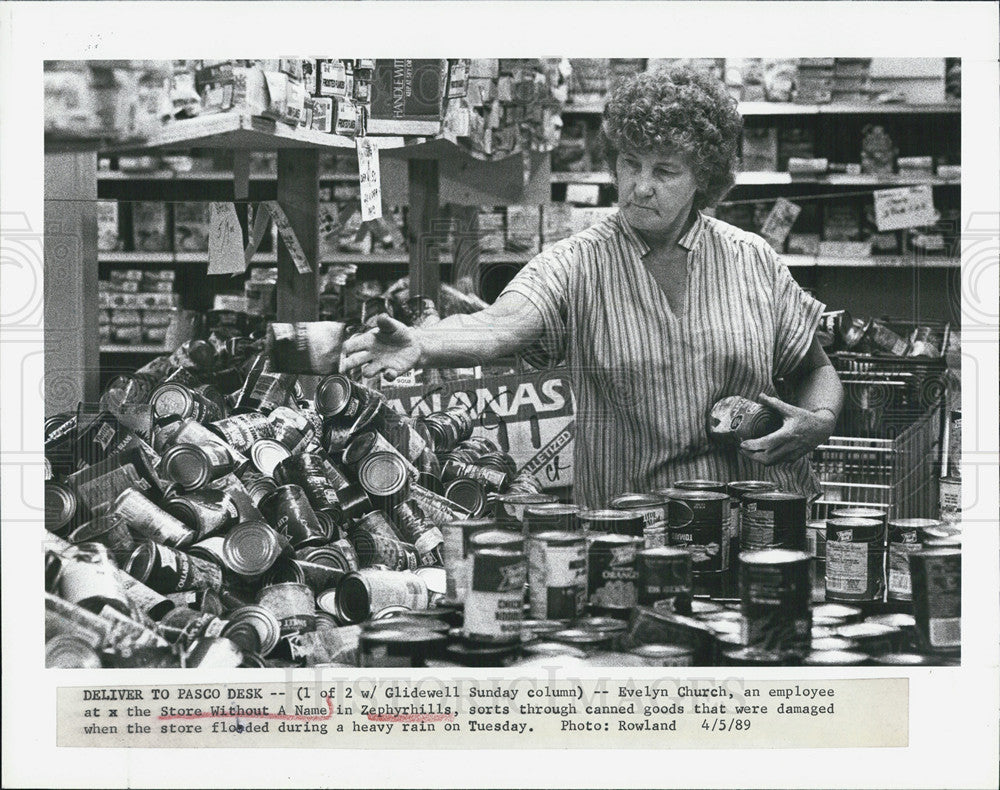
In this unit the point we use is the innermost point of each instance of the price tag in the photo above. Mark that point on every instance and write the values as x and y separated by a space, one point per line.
583 194
225 240
779 221
288 236
261 219
371 183
905 207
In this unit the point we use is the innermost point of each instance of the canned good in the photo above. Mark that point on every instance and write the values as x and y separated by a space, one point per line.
494 602
755 657
384 478
64 651
773 520
736 491
146 519
552 516
171 398
192 466
257 486
376 523
901 660
663 572
265 389
835 658
550 650
292 604
937 598
738 419
698 484
775 591
855 559
492 479
167 570
586 640
62 508
207 512
405 645
308 472
436 507
511 505
369 590
254 628
376 549
291 428
861 512
557 575
414 527
904 539
884 340
664 655
456 550
190 431
288 510
266 454
505 539
339 396
90 580
184 625
242 430
653 509
612 576
339 555
698 520
111 531
468 494
872 638
251 548
616 522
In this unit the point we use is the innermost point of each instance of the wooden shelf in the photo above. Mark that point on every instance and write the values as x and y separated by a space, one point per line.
236 131
764 108
199 175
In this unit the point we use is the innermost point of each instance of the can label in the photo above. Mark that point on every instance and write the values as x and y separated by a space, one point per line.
899 583
655 537
494 604
758 528
82 580
396 590
557 580
846 567
612 577
775 603
706 536
942 597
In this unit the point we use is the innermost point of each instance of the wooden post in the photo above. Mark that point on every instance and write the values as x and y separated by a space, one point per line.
424 236
72 342
298 195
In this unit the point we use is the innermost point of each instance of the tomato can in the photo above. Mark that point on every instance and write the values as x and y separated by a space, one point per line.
775 590
557 575
494 604
653 509
855 559
904 539
937 598
612 577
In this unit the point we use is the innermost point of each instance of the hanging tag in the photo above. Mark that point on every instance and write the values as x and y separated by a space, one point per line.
779 222
225 240
905 207
288 237
371 183
261 219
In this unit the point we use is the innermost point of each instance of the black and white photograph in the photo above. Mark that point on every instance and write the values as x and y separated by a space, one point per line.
607 395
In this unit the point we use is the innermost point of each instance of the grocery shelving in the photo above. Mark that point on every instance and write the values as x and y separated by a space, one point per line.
768 178
206 175
763 108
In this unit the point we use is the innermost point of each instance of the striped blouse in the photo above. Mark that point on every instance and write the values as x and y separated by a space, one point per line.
644 378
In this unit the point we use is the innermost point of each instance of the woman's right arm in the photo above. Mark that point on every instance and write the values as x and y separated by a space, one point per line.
503 329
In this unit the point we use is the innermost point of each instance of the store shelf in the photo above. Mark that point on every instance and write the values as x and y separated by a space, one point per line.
768 178
873 262
196 175
763 108
266 258
236 131
134 350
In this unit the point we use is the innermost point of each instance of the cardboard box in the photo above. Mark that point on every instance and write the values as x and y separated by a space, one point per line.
408 89
332 78
150 226
107 225
191 222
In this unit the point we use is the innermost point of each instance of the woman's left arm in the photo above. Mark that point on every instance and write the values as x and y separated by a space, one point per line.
809 421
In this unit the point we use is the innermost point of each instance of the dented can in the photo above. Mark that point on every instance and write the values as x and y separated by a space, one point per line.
652 508
495 600
366 592
167 570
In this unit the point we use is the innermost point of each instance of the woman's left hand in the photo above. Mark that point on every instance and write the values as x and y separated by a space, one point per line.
801 433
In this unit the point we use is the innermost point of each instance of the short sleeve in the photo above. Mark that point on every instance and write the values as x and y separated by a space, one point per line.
544 281
796 316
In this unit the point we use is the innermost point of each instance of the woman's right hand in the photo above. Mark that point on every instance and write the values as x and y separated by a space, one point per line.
391 348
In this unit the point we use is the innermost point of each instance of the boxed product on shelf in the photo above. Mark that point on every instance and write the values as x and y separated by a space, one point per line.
760 149
803 244
150 226
814 81
107 225
126 335
408 89
191 222
841 220
915 166
878 151
523 229
490 229
156 317
125 317
157 300
556 223
794 141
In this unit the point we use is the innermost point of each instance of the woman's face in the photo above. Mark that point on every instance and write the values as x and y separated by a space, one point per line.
655 190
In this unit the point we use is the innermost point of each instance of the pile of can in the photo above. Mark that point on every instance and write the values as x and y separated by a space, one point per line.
210 515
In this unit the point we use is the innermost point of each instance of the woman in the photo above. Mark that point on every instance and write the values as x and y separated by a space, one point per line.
659 311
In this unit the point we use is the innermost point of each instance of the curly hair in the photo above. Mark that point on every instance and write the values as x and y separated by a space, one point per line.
679 110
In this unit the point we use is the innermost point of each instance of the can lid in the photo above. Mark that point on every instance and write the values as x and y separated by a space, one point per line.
773 557
142 561
866 630
610 539
740 487
250 548
605 515
630 501
327 601
263 621
353 599
662 651
893 619
773 496
833 643
60 506
581 636
496 538
836 611
601 624
65 651
756 656
436 579
284 570
467 493
698 495
268 453
838 658
915 523
188 465
401 637
526 498
664 553
183 510
548 648
857 512
382 474
550 509
559 537
699 484
543 626
171 399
